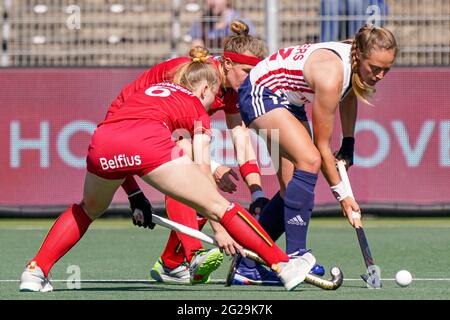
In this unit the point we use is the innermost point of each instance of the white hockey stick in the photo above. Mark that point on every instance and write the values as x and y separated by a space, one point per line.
336 273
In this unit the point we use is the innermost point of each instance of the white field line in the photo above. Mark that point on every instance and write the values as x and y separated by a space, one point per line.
212 281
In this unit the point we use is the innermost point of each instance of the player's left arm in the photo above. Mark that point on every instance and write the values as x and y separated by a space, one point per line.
247 161
348 110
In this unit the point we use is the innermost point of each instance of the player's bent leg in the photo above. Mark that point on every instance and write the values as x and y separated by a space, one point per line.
67 231
98 194
176 178
179 212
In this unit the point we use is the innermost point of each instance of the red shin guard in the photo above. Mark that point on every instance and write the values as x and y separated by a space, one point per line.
247 232
64 234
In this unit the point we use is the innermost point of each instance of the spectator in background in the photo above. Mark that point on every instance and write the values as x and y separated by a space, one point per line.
360 12
215 23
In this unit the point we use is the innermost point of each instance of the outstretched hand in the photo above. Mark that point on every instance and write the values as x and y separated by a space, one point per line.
257 206
346 151
223 177
226 243
351 210
141 210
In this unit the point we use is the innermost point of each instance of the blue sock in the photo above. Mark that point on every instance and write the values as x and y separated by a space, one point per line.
272 217
298 205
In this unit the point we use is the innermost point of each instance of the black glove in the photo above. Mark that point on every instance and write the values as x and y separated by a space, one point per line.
259 203
346 151
141 210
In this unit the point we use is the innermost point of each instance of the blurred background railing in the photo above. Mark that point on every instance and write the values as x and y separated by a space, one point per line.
145 32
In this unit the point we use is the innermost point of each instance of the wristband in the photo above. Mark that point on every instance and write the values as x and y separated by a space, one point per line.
250 166
258 194
339 191
214 165
135 193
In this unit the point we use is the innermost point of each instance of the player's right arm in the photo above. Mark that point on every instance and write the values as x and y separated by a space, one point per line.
326 81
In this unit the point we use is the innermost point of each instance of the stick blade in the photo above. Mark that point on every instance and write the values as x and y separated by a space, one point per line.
372 281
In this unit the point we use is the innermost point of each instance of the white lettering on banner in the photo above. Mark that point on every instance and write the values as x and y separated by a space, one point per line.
384 144
63 142
17 144
222 150
412 155
445 144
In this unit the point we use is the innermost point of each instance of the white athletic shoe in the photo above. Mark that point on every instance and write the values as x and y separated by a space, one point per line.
33 279
294 272
203 263
178 275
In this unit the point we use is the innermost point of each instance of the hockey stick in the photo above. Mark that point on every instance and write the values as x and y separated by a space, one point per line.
372 277
336 274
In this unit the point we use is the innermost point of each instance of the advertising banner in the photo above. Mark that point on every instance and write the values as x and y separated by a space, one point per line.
48 115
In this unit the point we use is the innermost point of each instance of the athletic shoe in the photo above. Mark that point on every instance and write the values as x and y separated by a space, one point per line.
33 279
178 275
249 272
318 269
294 271
203 263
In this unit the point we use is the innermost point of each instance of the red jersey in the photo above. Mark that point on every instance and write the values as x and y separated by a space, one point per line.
226 100
173 105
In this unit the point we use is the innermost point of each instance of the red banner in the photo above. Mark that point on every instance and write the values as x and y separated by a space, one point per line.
48 115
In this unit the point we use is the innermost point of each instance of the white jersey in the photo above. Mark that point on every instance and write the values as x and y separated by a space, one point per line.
282 72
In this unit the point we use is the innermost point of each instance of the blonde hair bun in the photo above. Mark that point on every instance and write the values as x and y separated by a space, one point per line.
239 27
199 54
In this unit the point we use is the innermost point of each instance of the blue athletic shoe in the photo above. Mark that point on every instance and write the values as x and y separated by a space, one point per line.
318 269
249 272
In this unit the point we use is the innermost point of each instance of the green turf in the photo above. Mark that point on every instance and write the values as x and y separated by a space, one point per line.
115 250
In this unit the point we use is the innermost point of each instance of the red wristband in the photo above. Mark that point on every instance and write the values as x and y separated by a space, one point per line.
250 166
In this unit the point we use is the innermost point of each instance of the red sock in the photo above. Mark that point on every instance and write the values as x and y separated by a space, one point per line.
130 185
248 232
179 245
64 234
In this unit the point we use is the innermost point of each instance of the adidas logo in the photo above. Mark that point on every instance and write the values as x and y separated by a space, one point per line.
297 220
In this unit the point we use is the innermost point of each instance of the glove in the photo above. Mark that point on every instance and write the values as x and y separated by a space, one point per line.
257 206
141 209
346 151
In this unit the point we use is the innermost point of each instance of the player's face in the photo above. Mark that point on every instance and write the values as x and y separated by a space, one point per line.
237 74
373 68
207 93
